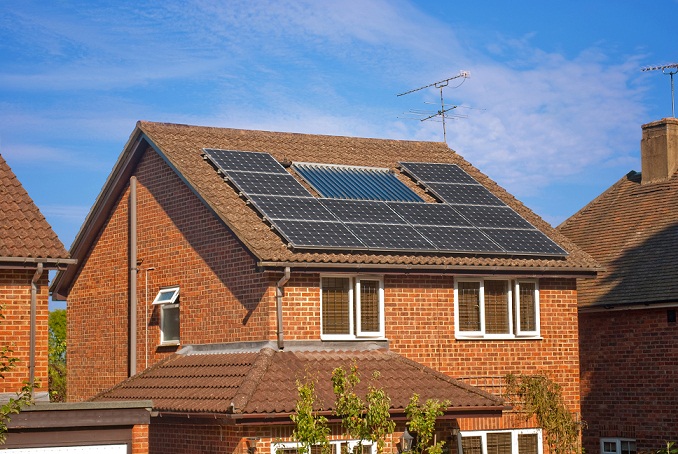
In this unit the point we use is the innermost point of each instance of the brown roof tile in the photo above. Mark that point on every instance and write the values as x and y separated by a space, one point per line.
24 232
264 382
182 145
632 230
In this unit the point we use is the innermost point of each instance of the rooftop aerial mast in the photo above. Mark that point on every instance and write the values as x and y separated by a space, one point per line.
440 85
670 69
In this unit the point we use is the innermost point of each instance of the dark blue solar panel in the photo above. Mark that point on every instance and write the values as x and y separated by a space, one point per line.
252 183
437 173
358 183
459 239
493 216
249 161
429 214
524 241
365 211
291 208
390 237
312 234
471 194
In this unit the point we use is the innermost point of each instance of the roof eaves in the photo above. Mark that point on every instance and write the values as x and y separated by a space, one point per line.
556 272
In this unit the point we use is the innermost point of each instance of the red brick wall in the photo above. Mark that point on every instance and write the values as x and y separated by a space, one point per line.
15 299
187 246
629 377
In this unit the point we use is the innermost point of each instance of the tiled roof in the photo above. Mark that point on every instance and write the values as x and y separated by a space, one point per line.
182 146
632 230
265 382
24 232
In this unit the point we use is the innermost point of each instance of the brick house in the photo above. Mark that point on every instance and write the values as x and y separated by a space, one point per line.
28 249
627 317
213 297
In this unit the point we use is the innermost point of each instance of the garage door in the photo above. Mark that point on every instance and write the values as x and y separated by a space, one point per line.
106 449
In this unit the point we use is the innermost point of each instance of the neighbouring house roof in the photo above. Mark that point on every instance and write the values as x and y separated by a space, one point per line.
25 235
632 230
182 148
263 383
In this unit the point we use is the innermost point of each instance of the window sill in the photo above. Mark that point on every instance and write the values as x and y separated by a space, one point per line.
169 344
352 338
497 338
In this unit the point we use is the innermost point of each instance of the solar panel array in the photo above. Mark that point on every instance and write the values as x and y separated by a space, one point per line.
487 226
356 183
496 220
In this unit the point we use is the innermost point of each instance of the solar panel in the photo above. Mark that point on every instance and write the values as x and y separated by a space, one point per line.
352 182
365 211
437 173
252 183
429 214
250 161
459 239
493 216
313 234
471 194
524 241
291 208
390 237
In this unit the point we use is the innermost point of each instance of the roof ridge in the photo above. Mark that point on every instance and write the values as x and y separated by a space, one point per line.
251 381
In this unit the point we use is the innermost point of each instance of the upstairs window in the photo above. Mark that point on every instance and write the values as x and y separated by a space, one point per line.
496 308
168 302
351 307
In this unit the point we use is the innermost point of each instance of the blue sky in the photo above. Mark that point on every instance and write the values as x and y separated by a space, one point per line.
553 112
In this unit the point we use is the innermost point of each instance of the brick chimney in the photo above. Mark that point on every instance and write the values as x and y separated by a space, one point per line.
659 150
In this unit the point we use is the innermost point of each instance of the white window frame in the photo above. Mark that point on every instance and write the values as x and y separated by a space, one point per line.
514 438
617 441
167 298
513 303
335 444
355 328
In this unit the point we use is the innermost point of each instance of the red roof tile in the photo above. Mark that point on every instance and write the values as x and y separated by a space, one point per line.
24 232
265 382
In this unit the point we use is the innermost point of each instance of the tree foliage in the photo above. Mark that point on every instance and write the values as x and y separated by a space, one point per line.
539 396
310 428
422 422
57 355
367 420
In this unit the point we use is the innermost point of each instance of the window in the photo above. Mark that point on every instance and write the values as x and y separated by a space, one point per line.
336 447
168 301
522 441
496 308
351 307
617 446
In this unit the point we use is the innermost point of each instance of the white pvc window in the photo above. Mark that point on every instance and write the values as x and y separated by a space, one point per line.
168 302
337 447
518 441
496 309
351 307
618 446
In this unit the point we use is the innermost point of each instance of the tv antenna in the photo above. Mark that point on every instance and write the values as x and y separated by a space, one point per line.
440 85
670 70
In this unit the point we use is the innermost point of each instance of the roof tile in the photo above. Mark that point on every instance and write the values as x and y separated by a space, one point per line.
265 382
24 232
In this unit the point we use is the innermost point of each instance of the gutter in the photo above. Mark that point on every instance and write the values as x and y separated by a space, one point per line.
48 263
278 305
34 296
284 418
565 272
